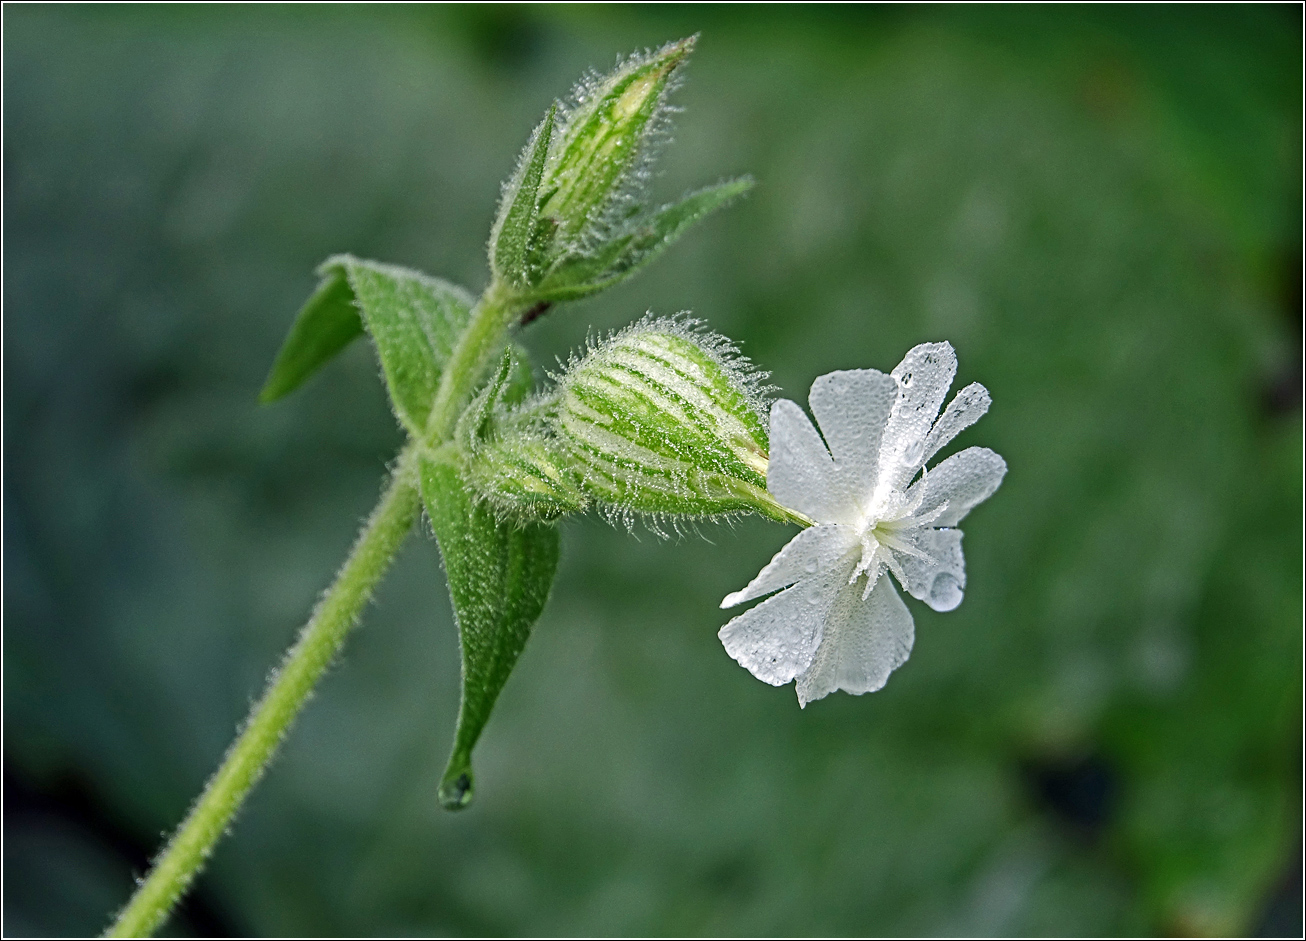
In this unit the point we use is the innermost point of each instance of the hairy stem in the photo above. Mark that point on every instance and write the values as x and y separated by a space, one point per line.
322 637
478 347
287 690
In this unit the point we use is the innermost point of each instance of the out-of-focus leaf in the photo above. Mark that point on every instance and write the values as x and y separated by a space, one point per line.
499 576
414 320
325 325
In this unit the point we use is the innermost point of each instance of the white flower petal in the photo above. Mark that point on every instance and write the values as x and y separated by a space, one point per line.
923 377
815 549
852 406
801 473
967 407
964 480
775 641
862 643
938 579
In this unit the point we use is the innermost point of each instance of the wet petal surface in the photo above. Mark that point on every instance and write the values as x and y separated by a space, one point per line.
862 643
776 640
967 478
801 473
813 550
923 378
852 407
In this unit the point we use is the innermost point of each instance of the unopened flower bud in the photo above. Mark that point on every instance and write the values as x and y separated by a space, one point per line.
507 458
518 475
665 419
573 218
603 138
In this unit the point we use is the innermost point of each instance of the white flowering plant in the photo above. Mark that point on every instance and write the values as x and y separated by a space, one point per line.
839 623
664 421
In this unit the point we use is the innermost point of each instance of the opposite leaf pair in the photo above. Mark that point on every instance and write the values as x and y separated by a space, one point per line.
499 571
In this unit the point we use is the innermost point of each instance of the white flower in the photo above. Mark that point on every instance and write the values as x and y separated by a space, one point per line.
839 623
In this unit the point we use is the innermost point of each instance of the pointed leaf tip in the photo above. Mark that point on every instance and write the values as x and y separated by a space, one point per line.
500 573
325 325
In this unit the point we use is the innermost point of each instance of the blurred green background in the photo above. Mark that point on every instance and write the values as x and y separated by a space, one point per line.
1100 208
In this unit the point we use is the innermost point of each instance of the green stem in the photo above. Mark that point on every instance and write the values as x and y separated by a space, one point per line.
323 636
286 693
478 347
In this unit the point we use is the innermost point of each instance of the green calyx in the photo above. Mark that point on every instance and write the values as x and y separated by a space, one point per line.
662 419
508 458
665 419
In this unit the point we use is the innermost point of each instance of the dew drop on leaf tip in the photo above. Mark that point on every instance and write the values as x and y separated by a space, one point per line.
457 793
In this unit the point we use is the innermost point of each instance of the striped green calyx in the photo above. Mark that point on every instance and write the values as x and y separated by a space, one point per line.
519 476
664 419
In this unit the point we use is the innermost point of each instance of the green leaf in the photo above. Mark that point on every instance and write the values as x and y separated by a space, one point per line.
499 576
415 320
511 238
674 219
325 325
581 275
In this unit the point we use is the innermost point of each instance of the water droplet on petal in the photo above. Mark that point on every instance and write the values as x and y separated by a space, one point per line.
945 593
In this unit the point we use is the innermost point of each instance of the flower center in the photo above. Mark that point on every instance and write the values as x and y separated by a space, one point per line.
883 533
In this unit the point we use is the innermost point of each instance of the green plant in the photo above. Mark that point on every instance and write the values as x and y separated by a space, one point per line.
664 420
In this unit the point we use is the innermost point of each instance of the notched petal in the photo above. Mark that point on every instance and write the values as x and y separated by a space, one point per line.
776 640
862 643
963 481
935 571
852 407
923 378
967 407
801 472
814 550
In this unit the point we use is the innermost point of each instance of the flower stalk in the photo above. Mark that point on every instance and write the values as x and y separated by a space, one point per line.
289 687
287 691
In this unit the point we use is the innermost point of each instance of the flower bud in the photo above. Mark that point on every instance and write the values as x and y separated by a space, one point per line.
507 458
603 139
519 476
572 218
665 419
